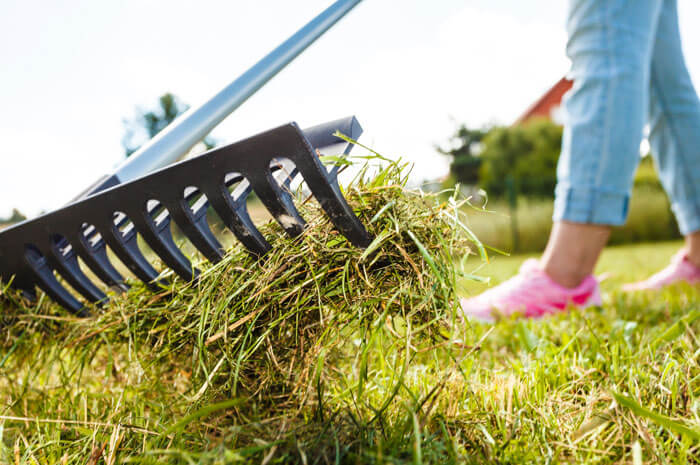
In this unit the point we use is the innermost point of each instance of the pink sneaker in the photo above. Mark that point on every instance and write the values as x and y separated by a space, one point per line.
680 269
532 293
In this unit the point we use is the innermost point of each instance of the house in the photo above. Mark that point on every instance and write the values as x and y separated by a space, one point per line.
548 106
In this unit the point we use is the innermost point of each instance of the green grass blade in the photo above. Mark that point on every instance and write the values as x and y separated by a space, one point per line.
663 420
203 412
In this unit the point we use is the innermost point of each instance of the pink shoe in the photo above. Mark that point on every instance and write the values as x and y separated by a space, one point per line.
680 269
532 293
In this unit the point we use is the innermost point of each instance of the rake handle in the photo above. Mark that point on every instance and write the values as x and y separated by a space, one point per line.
192 126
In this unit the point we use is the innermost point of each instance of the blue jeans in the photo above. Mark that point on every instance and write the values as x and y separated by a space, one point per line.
628 69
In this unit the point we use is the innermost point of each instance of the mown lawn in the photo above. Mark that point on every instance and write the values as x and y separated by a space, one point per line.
157 381
545 391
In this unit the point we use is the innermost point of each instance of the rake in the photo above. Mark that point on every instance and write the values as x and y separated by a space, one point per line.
118 209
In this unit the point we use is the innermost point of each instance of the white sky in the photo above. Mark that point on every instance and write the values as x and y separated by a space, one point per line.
70 71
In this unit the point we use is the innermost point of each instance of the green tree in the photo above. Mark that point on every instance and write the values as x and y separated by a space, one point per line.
465 146
15 217
146 124
527 154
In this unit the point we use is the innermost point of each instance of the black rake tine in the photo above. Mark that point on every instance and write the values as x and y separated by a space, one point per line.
284 177
278 202
47 282
328 194
195 227
66 263
95 257
160 239
128 253
234 214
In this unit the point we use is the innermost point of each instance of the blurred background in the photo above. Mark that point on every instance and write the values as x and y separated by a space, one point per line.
468 90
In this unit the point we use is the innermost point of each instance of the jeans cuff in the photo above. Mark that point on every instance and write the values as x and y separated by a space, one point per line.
590 205
687 214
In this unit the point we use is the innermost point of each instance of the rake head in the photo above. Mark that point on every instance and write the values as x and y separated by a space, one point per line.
36 252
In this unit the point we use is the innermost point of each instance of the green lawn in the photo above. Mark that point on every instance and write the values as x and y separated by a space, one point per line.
545 390
313 360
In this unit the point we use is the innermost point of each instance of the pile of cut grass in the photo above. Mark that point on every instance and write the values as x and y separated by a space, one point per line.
317 352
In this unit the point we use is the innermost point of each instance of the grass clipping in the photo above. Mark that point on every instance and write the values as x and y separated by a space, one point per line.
316 340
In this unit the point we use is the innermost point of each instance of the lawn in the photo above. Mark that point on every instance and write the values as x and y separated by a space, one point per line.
330 354
550 385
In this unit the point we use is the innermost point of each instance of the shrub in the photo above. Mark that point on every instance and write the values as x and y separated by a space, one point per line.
650 219
465 145
527 154
646 176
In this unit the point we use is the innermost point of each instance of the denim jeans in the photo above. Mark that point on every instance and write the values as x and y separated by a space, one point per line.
628 70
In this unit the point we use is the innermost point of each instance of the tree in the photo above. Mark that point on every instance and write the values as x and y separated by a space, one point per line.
146 124
526 154
16 217
505 160
466 145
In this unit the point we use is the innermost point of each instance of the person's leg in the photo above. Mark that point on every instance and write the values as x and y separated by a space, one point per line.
610 45
674 120
692 245
572 251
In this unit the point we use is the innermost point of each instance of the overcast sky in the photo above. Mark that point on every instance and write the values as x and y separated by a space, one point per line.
410 70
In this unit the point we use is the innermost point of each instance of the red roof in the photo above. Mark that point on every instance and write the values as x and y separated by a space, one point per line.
548 102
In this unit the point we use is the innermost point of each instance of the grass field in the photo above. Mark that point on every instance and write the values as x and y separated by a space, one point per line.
564 372
336 366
